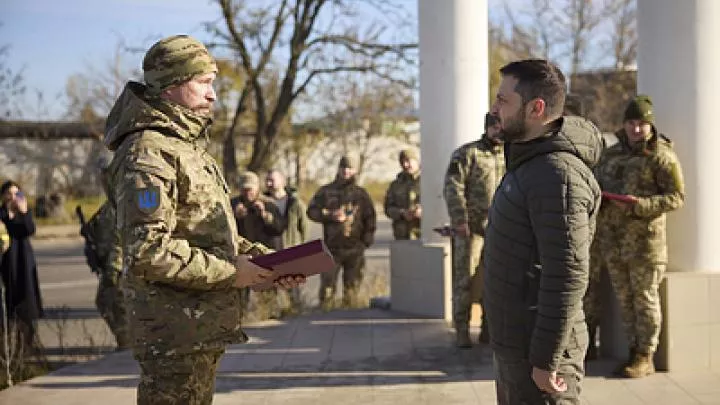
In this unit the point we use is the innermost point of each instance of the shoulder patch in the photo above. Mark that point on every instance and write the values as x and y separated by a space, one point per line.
147 199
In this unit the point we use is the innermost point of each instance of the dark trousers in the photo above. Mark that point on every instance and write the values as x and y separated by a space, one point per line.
514 384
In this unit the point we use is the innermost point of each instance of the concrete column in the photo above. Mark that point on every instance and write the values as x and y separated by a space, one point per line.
453 92
678 60
453 102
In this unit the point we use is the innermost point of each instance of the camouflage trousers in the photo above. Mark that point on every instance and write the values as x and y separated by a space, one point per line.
467 276
110 303
352 264
178 379
636 285
514 384
592 301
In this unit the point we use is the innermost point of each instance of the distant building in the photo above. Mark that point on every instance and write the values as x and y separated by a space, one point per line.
604 94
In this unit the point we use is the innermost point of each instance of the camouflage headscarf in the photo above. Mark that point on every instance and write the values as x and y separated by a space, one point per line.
175 60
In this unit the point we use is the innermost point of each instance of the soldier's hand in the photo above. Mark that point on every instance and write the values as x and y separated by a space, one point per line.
548 381
418 211
462 230
249 273
240 211
339 215
289 282
259 205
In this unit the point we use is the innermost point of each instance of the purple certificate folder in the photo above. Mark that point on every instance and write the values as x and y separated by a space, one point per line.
306 259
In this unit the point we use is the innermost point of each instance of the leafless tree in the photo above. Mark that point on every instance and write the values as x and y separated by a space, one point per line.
303 40
623 38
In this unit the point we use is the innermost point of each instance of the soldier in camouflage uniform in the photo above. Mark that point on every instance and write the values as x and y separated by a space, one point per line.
631 236
258 220
182 257
474 172
109 298
402 200
348 217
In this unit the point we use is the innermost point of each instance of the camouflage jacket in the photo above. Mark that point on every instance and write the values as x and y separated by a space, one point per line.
474 172
358 232
651 171
177 228
403 194
263 228
101 228
296 220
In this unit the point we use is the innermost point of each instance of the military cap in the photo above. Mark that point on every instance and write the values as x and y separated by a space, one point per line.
350 161
249 180
640 108
175 60
407 154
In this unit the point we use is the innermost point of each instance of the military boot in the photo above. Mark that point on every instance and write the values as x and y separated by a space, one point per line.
641 366
620 369
327 298
462 336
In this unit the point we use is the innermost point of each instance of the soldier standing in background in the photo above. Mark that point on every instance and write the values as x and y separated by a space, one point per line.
631 235
293 211
258 220
402 199
348 217
474 172
183 259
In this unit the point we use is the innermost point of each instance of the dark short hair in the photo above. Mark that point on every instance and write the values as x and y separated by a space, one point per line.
6 186
490 120
538 78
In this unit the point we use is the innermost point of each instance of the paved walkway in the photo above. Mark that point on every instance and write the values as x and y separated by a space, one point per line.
351 357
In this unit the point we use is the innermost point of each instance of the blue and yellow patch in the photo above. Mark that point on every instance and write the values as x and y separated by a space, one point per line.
148 199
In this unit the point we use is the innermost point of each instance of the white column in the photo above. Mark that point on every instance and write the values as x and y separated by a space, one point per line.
678 60
453 92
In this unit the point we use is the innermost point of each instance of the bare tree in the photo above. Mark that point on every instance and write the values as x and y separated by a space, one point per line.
12 87
291 38
623 38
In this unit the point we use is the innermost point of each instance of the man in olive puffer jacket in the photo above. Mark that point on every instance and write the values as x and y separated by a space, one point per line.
537 248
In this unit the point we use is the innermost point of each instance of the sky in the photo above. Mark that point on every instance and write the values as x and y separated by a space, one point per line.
50 40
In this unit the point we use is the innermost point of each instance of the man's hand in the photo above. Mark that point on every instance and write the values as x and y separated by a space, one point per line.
418 211
626 205
289 282
249 273
240 211
259 205
548 381
338 215
462 230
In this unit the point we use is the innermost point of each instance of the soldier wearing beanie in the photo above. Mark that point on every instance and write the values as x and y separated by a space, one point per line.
473 174
402 199
630 237
183 259
347 215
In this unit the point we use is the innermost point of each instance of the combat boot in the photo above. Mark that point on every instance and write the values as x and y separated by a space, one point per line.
620 369
641 366
462 337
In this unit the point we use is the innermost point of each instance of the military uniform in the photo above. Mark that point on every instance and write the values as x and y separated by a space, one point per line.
177 231
403 195
346 240
109 298
474 172
631 239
